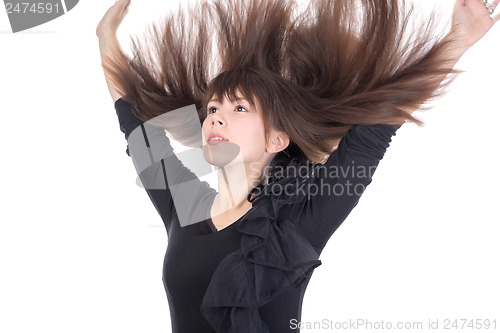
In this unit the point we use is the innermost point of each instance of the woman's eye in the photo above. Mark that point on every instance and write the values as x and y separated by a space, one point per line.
239 108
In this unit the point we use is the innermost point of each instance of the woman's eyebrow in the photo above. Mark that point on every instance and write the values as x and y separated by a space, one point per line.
238 99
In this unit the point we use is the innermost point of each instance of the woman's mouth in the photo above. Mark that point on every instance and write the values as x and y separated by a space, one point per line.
216 138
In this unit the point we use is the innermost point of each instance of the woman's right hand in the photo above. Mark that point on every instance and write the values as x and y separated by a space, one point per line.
107 27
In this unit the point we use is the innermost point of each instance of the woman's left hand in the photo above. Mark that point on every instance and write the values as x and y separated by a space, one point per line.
472 20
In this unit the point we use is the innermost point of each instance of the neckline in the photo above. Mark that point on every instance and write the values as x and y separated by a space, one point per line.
214 230
210 223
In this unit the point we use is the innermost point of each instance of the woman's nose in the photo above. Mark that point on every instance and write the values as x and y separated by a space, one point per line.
217 119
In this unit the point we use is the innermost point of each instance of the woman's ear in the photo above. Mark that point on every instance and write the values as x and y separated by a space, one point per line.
278 141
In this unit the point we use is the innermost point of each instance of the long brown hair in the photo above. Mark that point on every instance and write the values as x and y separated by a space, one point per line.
315 72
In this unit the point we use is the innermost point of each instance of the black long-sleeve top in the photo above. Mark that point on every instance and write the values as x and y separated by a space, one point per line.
250 276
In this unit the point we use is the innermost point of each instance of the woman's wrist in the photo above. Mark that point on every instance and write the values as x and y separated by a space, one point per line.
456 47
108 43
458 43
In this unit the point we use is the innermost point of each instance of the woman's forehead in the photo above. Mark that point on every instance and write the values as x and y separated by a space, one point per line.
235 95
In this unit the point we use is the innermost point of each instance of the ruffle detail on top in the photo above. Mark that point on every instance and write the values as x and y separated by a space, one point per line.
273 259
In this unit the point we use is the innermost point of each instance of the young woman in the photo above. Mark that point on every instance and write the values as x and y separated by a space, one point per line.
297 108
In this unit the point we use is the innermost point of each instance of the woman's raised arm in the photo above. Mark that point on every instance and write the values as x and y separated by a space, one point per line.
471 20
108 42
339 183
169 183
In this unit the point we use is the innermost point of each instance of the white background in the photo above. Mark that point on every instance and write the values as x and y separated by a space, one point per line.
81 246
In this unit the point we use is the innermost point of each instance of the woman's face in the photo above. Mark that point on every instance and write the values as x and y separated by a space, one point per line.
231 128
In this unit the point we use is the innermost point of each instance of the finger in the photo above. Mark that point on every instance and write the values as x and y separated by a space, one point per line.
123 4
496 18
477 6
118 8
492 3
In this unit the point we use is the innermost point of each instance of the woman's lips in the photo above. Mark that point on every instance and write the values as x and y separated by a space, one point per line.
216 142
215 138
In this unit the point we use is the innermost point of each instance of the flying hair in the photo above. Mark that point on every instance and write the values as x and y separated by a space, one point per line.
314 71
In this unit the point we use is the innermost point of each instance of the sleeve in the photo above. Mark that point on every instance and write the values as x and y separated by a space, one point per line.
340 182
173 188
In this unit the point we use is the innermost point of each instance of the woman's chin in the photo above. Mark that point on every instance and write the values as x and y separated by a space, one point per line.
221 153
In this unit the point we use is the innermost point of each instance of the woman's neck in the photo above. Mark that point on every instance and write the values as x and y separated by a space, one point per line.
235 181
